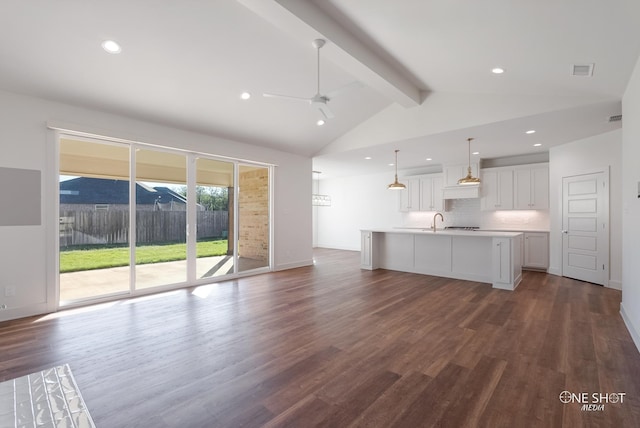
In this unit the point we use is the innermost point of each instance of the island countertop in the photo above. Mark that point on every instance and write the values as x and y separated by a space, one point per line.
445 232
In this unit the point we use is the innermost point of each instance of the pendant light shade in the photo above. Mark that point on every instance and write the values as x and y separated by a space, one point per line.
469 179
396 185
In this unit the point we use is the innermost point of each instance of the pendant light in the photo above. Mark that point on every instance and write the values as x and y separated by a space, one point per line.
317 199
396 185
469 179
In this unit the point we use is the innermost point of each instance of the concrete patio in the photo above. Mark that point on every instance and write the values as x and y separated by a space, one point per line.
101 282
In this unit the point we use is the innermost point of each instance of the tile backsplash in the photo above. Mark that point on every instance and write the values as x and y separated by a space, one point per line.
466 212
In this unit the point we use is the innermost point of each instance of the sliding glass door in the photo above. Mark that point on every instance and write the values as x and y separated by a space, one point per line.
214 218
184 219
161 218
94 210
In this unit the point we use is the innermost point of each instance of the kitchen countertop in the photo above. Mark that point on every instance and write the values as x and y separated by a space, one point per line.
447 232
518 230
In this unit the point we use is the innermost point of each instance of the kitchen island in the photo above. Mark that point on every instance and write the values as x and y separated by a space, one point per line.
482 256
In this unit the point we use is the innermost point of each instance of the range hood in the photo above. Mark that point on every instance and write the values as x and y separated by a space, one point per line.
466 191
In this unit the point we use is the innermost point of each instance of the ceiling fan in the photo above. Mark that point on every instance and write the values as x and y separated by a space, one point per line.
319 100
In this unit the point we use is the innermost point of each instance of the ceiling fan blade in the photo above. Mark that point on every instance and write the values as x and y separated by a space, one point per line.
324 109
353 85
286 97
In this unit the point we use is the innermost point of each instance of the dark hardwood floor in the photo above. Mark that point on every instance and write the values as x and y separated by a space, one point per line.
335 346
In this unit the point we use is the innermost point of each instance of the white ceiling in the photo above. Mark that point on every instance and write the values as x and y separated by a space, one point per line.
424 65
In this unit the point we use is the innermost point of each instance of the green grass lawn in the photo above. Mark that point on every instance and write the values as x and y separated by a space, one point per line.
101 258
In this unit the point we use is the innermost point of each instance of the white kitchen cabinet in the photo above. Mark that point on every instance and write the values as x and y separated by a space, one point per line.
501 257
431 193
410 197
367 252
531 188
453 173
480 256
497 189
506 262
423 193
536 250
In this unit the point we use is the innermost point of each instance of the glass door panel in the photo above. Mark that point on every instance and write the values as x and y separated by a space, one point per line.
214 213
253 217
161 218
94 219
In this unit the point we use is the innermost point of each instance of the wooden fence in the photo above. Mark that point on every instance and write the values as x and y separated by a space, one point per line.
112 227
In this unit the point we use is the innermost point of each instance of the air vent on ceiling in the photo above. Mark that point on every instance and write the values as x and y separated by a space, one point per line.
615 118
584 70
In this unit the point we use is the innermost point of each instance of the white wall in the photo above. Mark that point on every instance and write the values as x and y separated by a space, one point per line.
630 307
592 154
357 202
26 256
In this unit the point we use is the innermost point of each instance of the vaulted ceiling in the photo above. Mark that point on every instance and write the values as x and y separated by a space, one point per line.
423 69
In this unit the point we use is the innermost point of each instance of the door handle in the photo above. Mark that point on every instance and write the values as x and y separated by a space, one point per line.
565 231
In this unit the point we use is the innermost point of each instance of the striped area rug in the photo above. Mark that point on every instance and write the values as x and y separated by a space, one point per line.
49 398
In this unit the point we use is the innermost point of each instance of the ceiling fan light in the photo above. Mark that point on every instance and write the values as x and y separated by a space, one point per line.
111 46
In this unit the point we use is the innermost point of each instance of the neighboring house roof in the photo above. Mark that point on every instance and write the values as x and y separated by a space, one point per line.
85 190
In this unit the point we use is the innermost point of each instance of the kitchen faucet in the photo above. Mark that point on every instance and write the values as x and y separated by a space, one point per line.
433 226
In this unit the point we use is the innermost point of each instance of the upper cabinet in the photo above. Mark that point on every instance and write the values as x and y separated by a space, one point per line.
523 187
423 193
431 193
410 197
531 186
497 189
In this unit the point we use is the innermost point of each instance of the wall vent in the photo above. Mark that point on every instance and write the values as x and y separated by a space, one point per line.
584 70
615 118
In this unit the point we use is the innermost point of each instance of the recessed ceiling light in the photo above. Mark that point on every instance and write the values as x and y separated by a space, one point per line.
497 70
475 153
367 157
531 131
429 159
245 95
537 145
320 122
111 46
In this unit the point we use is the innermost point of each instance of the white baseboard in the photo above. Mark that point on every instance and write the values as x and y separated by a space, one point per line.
337 247
554 271
294 265
617 285
15 313
632 331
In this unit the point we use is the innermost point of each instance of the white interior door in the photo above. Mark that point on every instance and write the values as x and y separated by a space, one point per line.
585 224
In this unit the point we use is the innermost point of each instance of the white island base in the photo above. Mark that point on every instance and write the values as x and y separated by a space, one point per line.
491 257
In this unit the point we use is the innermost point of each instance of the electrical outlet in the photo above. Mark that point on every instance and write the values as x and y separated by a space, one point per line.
9 291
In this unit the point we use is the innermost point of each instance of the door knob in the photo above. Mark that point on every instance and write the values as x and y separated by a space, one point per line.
565 231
